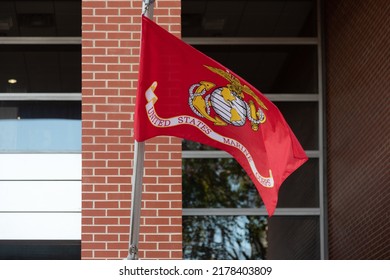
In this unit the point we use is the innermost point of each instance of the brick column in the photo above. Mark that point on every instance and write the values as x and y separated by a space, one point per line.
110 59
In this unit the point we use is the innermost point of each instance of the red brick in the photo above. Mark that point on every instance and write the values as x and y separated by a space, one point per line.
106 12
106 237
176 221
130 12
157 221
103 171
93 245
92 100
124 221
117 246
157 204
118 213
106 76
93 19
111 34
118 68
93 179
86 205
107 155
94 163
176 254
106 254
118 196
105 221
156 237
94 84
86 254
106 139
105 188
93 229
169 213
93 4
169 246
106 91
94 51
119 19
157 172
93 196
106 204
169 180
106 124
118 179
148 246
157 254
106 27
107 44
169 196
119 36
177 237
93 67
118 229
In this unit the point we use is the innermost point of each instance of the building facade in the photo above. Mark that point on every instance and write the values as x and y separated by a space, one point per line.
67 146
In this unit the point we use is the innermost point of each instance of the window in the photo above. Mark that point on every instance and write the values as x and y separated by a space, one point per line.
40 121
275 46
40 84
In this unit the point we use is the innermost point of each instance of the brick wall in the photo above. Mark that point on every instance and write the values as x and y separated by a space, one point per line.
110 58
358 90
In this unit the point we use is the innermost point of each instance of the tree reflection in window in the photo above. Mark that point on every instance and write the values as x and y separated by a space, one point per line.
224 237
217 183
221 183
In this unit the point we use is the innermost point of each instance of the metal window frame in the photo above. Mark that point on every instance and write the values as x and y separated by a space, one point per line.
319 97
32 96
63 96
250 212
223 154
247 41
40 41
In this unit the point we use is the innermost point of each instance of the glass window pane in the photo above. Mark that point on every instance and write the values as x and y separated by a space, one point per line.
224 237
41 69
302 117
40 135
40 250
270 69
301 188
250 237
40 126
219 183
250 18
40 18
293 238
40 110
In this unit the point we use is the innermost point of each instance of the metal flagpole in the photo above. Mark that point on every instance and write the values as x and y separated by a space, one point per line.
138 171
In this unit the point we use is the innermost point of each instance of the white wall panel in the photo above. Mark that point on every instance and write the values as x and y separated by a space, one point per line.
44 226
40 196
40 166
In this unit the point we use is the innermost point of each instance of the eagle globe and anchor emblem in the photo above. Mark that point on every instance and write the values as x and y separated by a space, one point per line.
227 101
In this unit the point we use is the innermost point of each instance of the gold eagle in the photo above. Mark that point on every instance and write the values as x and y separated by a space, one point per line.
236 86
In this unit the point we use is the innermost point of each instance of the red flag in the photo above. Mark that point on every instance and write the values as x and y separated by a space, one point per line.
184 93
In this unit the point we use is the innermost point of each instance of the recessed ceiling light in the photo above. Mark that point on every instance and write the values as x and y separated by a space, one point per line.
12 81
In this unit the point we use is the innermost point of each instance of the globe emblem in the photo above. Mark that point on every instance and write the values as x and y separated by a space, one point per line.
228 106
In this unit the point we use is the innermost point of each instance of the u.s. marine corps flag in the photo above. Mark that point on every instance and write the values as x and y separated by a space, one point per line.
184 93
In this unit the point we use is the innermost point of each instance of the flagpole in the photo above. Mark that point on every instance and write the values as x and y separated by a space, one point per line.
138 171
